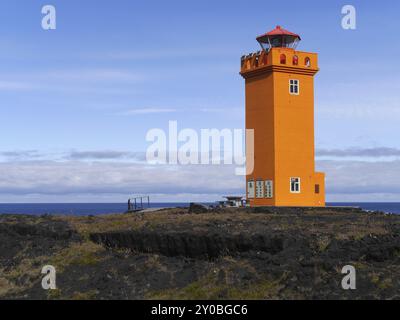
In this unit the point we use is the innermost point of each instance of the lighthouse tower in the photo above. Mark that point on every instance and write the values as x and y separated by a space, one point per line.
280 110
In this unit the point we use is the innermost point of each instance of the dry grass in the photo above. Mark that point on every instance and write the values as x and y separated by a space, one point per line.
28 271
208 287
221 282
342 226
85 253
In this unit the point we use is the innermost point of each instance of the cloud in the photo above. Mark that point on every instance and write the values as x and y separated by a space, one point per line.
105 155
20 155
108 175
361 177
359 152
91 75
6 85
76 80
227 111
161 53
81 155
77 177
147 111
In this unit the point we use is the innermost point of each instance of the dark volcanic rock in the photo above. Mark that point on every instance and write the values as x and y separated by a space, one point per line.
251 253
198 208
34 236
192 245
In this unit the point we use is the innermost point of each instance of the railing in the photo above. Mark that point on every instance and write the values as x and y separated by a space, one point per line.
276 56
138 203
254 60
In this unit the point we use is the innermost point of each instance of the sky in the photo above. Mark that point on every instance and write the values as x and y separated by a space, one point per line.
77 102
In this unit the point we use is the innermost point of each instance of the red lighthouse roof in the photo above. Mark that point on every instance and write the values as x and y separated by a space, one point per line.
278 31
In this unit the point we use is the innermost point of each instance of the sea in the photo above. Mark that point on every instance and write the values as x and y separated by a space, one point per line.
83 209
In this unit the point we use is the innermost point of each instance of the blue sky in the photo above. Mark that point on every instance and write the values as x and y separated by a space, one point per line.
115 69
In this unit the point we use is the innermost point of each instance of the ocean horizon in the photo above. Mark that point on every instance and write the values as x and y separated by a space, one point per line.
82 209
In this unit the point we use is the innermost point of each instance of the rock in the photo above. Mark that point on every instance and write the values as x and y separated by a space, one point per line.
192 245
198 208
262 253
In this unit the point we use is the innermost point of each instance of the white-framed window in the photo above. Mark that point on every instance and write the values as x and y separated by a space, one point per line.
259 189
294 86
269 189
295 185
250 189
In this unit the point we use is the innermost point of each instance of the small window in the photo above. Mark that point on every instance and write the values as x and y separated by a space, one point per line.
294 87
259 189
283 59
269 189
295 185
317 188
250 189
307 62
295 60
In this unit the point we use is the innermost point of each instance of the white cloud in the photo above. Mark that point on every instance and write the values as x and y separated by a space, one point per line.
147 111
91 75
162 53
362 177
375 152
76 80
76 177
101 177
6 85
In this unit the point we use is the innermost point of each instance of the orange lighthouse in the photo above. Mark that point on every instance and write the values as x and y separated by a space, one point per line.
280 110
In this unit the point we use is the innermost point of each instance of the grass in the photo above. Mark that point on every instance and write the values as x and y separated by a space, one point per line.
207 288
324 226
323 243
340 225
378 281
85 253
28 271
213 286
89 295
5 286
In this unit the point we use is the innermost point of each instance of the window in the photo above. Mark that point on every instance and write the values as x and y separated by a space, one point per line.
317 188
307 62
295 60
294 87
250 189
259 189
295 185
269 190
283 59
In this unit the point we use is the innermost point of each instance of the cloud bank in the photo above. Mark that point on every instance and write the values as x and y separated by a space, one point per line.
359 152
115 175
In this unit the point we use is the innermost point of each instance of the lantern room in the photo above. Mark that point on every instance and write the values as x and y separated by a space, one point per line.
278 38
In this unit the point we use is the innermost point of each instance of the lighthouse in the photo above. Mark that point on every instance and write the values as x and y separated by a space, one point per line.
279 90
